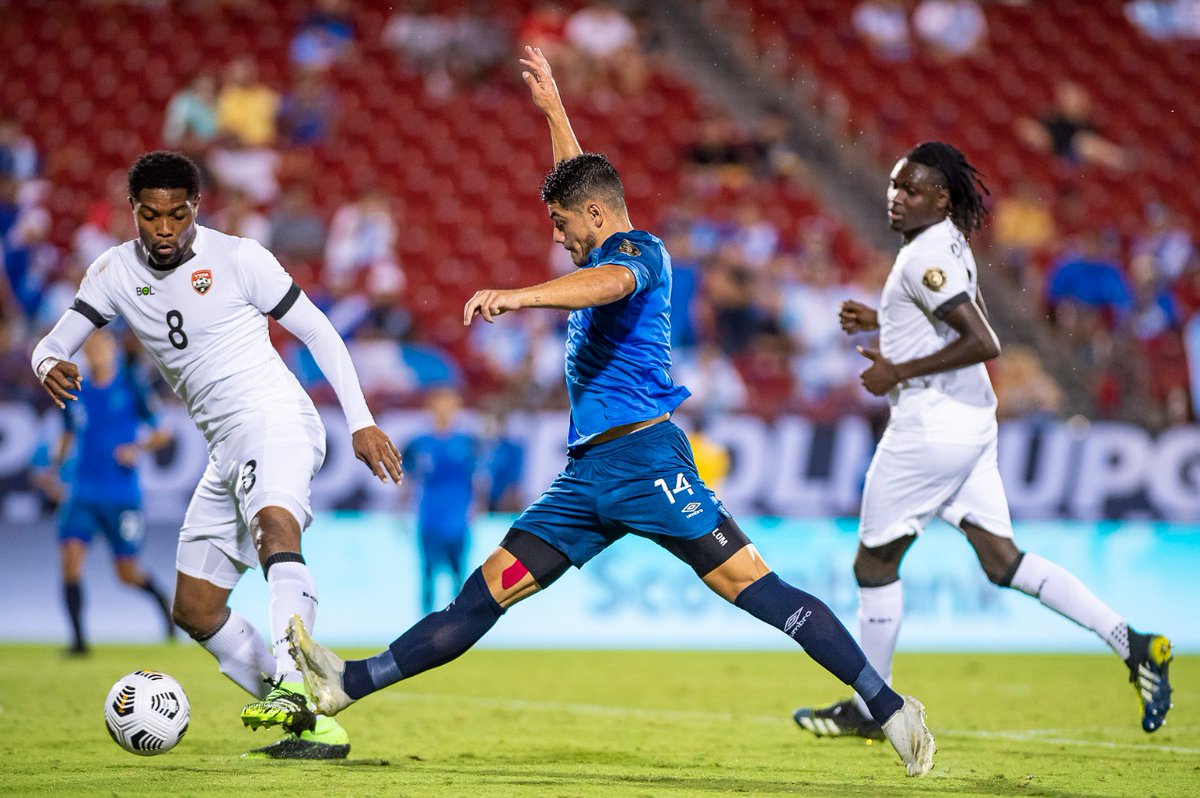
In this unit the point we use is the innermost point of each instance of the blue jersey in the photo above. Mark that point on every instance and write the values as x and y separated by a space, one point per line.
105 417
619 355
444 466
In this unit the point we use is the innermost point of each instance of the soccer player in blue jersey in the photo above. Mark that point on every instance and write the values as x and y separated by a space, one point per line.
442 465
106 431
629 468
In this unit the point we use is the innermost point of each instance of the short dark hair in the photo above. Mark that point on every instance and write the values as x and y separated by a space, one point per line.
164 169
588 175
962 180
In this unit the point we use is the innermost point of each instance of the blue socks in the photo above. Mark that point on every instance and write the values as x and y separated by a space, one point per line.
432 641
807 620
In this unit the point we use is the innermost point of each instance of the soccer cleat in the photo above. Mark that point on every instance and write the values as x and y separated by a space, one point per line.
1148 666
843 719
321 669
328 740
284 706
908 734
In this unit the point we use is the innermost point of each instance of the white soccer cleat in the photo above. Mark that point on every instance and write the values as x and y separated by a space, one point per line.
321 669
908 734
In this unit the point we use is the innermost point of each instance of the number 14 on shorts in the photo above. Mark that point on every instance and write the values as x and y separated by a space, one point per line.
681 485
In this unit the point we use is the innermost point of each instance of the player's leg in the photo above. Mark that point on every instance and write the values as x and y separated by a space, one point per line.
205 578
742 578
125 529
428 552
522 565
981 511
73 553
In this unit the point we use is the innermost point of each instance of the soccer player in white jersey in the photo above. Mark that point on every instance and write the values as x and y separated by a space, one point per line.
937 456
198 300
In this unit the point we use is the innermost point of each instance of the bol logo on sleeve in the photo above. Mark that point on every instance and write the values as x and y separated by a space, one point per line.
202 281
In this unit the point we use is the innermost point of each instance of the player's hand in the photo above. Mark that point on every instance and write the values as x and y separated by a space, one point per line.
62 378
490 303
127 454
881 376
540 80
375 448
857 317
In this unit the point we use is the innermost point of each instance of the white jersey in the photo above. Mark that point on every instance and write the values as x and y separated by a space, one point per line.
204 324
933 274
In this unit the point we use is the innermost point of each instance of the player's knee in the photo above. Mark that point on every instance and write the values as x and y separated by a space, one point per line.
1000 567
875 567
199 620
535 557
274 529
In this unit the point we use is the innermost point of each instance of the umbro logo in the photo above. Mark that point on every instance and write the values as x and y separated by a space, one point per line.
690 507
795 621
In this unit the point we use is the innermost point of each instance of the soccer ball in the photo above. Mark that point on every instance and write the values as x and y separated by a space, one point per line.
146 712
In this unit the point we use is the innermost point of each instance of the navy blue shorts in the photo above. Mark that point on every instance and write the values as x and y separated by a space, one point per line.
644 483
120 523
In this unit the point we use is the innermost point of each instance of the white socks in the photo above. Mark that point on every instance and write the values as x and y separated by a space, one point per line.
292 593
880 610
1061 591
242 655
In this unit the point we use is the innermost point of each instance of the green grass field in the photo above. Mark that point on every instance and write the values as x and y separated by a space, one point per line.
614 723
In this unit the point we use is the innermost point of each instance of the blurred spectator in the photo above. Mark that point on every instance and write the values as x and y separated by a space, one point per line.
1068 132
1022 224
253 170
1165 19
309 111
710 455
29 257
107 222
732 308
773 152
545 27
1092 278
951 28
1023 388
607 44
18 153
503 464
714 381
297 232
1166 243
191 117
239 217
755 237
326 36
883 25
719 156
246 108
425 42
480 44
361 236
1154 309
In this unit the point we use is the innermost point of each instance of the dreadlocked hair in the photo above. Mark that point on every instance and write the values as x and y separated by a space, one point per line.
963 181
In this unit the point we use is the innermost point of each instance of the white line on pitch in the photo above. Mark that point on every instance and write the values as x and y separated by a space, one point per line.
1051 736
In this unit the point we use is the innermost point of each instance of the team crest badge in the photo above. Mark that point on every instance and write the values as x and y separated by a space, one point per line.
628 248
202 281
934 279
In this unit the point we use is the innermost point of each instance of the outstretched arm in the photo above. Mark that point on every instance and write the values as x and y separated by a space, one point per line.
540 81
976 343
586 288
371 445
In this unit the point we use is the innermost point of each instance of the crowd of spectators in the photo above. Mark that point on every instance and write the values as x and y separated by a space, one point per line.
755 291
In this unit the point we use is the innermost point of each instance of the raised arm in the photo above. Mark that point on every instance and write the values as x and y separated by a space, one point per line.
540 81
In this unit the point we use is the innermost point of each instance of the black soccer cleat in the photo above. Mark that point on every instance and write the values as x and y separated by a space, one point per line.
1149 661
843 719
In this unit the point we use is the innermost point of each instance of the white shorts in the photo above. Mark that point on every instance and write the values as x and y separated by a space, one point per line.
912 480
268 462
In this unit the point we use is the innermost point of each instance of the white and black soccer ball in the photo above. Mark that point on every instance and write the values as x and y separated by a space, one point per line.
146 712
